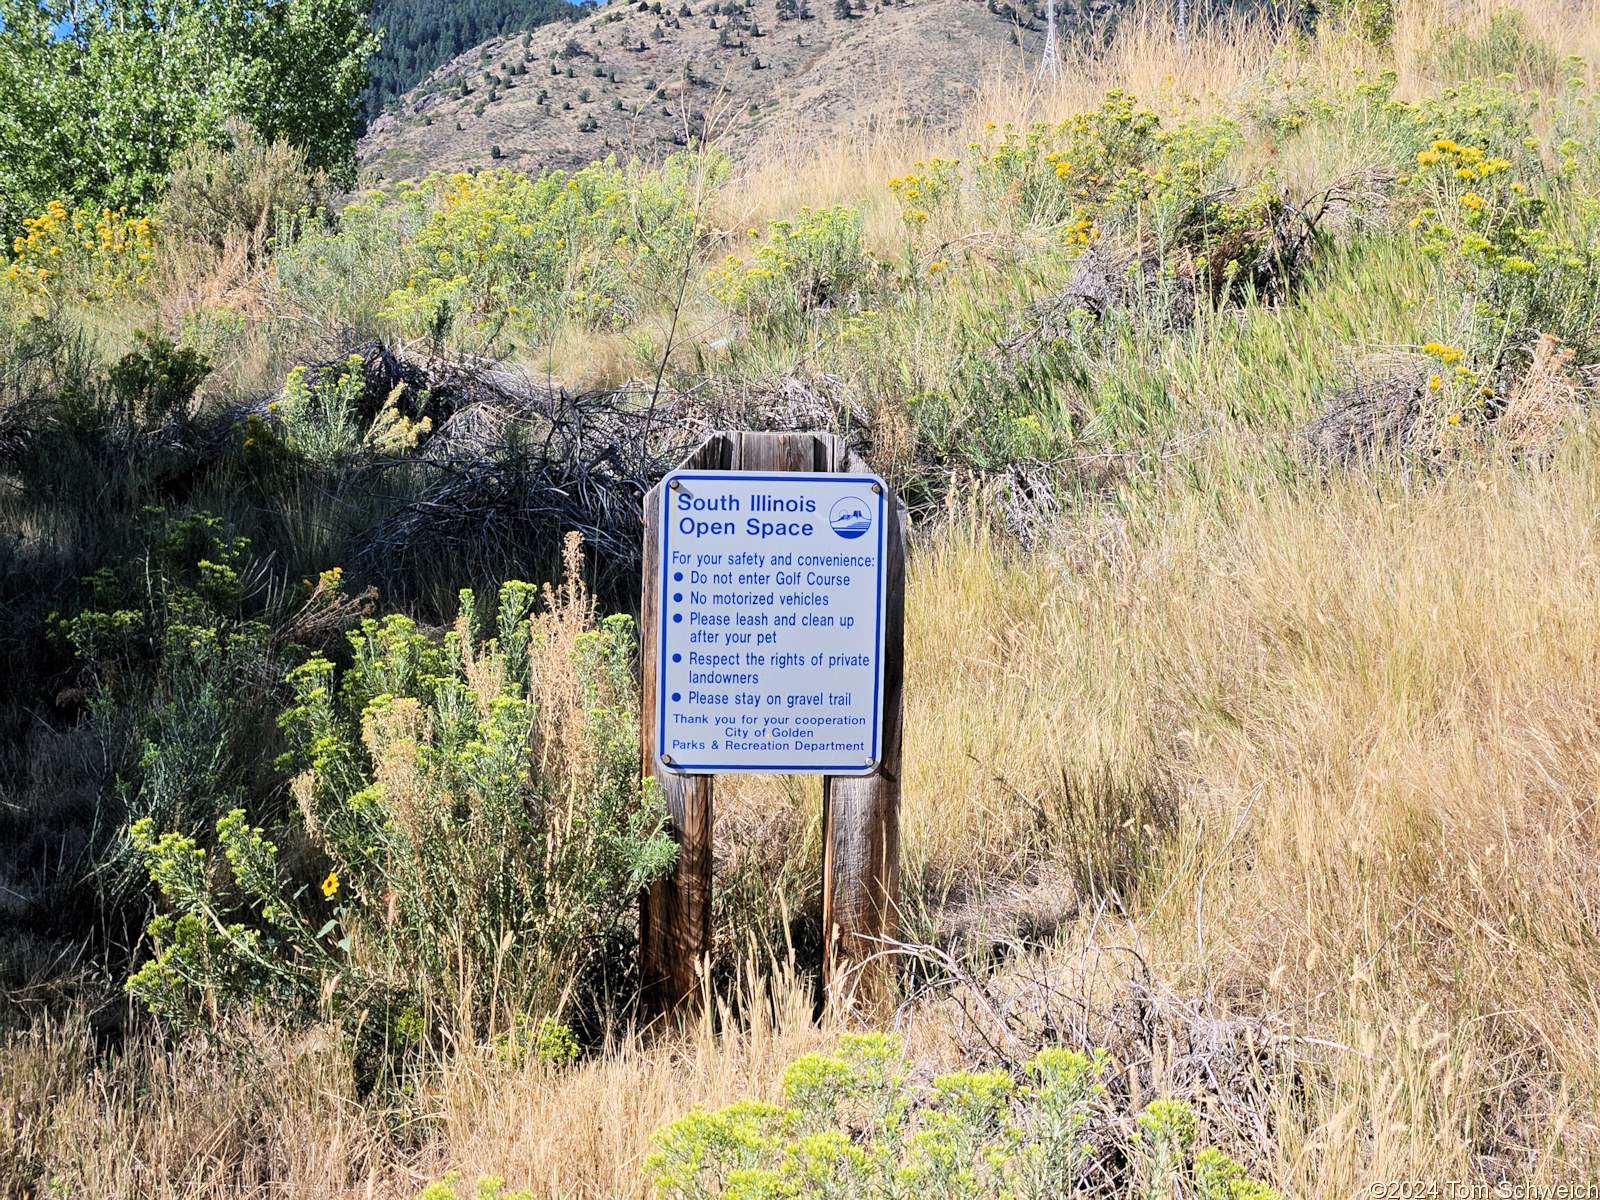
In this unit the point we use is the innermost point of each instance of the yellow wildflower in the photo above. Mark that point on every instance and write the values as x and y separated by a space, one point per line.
330 885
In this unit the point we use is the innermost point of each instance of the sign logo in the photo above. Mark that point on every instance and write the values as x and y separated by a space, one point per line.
850 517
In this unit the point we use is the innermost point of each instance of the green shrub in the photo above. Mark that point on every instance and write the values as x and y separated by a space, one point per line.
1165 1137
854 1126
1218 1177
595 247
1047 173
850 1126
1494 118
1113 168
479 809
1372 19
242 190
339 276
320 420
157 381
452 1187
1504 47
187 576
545 1041
48 361
815 260
172 659
1500 229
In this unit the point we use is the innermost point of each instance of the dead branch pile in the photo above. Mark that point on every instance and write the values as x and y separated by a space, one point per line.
1385 412
513 465
1378 415
510 462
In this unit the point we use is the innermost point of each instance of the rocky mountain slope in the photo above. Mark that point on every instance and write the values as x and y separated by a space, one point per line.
642 79
418 35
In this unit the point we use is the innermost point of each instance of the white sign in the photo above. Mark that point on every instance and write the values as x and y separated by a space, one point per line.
771 619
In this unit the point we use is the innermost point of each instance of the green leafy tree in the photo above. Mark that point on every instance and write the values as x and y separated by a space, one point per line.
98 97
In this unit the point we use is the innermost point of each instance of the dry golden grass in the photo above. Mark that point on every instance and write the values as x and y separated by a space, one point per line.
273 1115
1377 709
585 1132
1145 56
1393 698
189 1121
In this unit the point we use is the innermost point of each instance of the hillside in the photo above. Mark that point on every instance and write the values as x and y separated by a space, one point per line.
418 35
636 80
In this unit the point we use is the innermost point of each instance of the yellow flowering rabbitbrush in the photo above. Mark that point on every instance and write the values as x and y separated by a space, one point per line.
814 260
107 254
855 1125
479 800
594 246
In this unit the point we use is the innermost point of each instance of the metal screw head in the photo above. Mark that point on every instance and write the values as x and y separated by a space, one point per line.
877 489
667 758
870 760
675 485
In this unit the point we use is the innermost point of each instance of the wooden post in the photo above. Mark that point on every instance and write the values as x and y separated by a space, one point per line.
861 816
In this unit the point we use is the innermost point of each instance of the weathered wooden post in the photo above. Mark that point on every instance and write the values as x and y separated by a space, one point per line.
861 809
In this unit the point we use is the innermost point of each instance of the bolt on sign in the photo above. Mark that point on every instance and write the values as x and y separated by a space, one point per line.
772 621
772 600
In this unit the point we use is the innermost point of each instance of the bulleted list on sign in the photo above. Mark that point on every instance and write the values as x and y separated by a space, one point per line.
772 611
